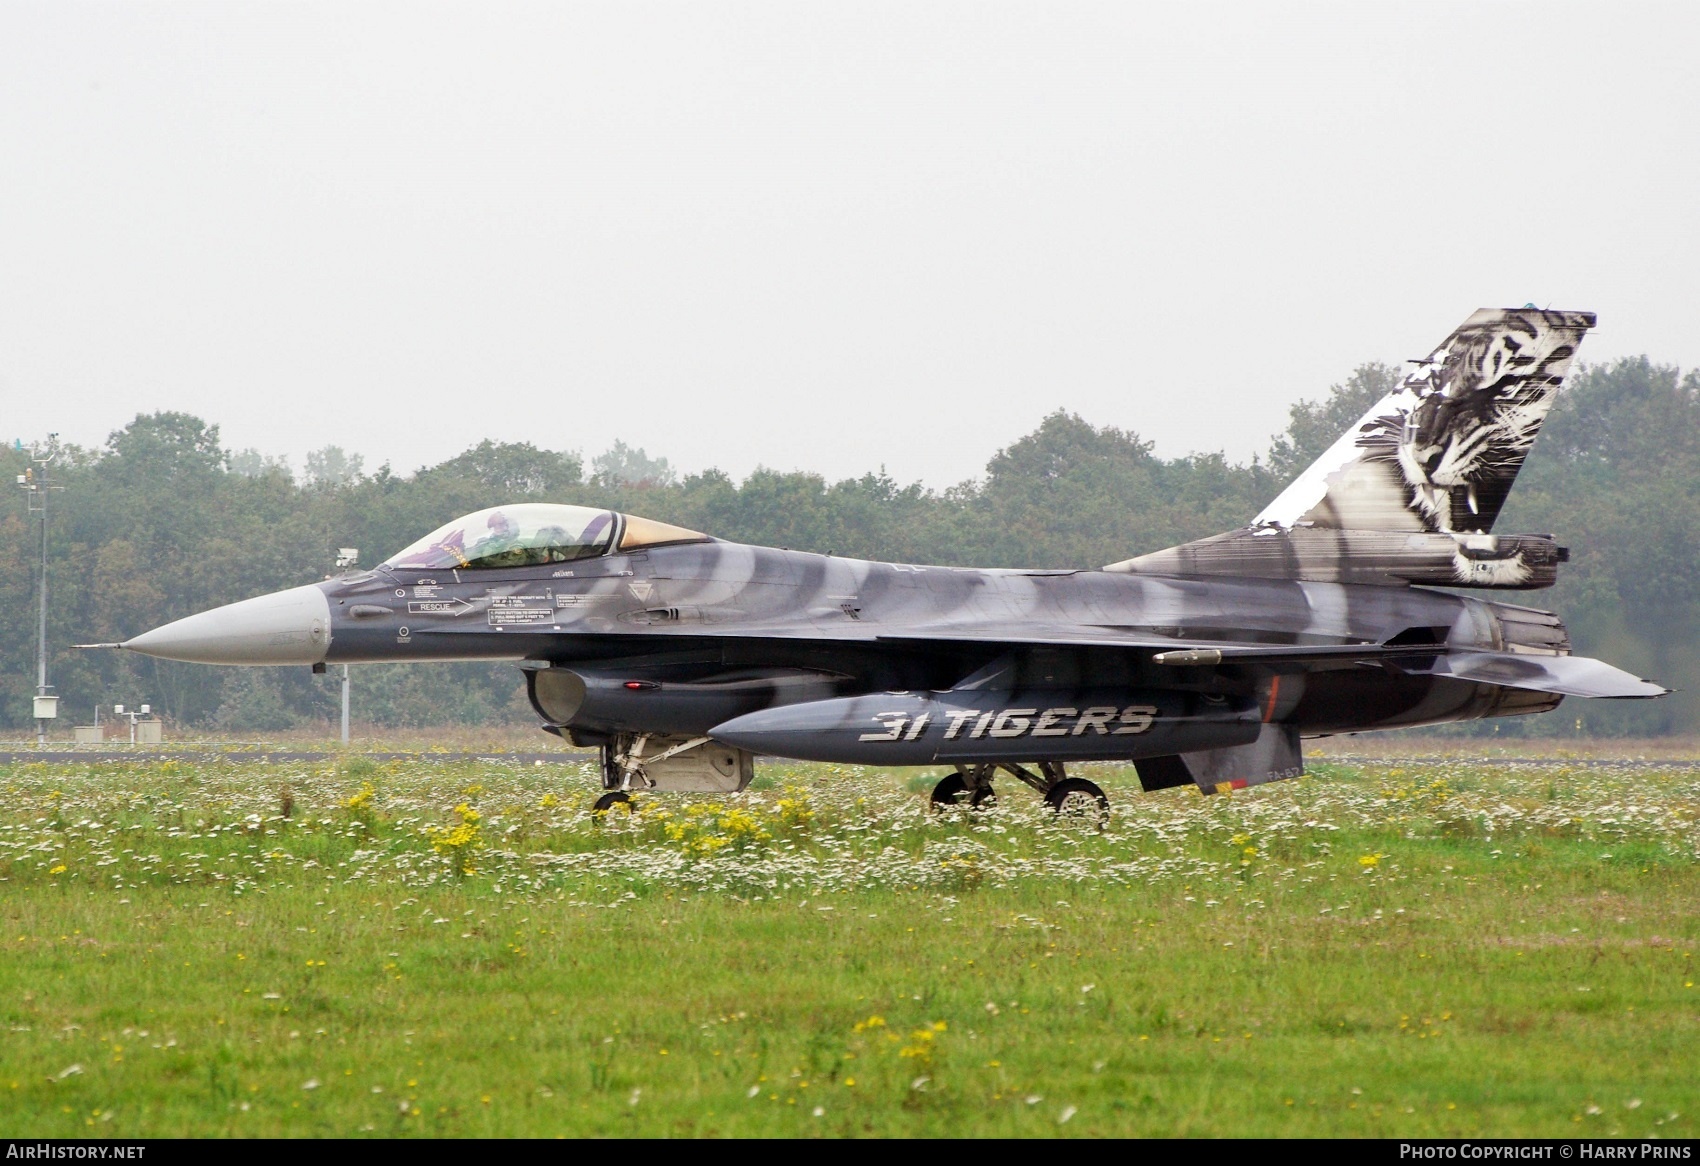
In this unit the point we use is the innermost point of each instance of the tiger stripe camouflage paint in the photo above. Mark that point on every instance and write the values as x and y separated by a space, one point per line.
1204 662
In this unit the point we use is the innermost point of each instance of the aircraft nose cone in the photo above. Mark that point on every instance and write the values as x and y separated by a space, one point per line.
285 627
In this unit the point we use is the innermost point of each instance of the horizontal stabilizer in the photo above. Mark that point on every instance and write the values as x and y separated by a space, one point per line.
1567 675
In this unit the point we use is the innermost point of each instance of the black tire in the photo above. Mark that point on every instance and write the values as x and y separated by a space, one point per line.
1075 797
954 790
611 799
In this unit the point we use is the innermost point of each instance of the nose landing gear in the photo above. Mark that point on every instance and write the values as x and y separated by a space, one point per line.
609 800
1071 797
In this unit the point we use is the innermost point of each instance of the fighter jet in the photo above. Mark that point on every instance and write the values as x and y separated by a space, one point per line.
1360 598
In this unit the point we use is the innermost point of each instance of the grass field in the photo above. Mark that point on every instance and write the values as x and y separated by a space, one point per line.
1436 948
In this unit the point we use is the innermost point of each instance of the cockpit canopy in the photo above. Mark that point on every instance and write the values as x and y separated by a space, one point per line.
530 534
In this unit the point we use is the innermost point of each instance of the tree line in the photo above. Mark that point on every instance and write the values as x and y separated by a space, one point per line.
163 521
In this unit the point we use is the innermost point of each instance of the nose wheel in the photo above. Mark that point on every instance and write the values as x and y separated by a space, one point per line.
609 800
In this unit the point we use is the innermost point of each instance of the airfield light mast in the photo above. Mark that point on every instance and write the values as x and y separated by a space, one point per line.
38 486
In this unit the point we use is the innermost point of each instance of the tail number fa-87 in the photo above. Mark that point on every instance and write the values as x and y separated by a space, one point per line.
1104 720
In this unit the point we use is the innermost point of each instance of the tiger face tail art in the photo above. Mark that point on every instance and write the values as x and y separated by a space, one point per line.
1410 493
1440 453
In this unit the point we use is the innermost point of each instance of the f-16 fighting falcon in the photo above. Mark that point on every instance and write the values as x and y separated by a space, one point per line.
681 657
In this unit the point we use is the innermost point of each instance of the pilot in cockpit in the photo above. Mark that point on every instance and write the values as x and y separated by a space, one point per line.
550 545
501 547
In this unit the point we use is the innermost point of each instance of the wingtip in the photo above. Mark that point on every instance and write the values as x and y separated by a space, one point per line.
1651 690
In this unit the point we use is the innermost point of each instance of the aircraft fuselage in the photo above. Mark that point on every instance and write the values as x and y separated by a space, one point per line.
703 622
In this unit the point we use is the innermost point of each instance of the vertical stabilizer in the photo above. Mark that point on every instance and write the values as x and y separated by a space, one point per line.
1440 453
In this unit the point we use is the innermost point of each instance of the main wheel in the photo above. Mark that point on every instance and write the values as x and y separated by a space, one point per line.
611 799
1075 797
954 790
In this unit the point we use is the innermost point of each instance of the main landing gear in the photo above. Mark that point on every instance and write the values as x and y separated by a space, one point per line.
966 787
1072 797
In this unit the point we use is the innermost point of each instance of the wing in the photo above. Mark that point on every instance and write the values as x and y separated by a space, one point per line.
1565 675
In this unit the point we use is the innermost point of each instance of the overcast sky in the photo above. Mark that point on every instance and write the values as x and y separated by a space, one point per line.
813 236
